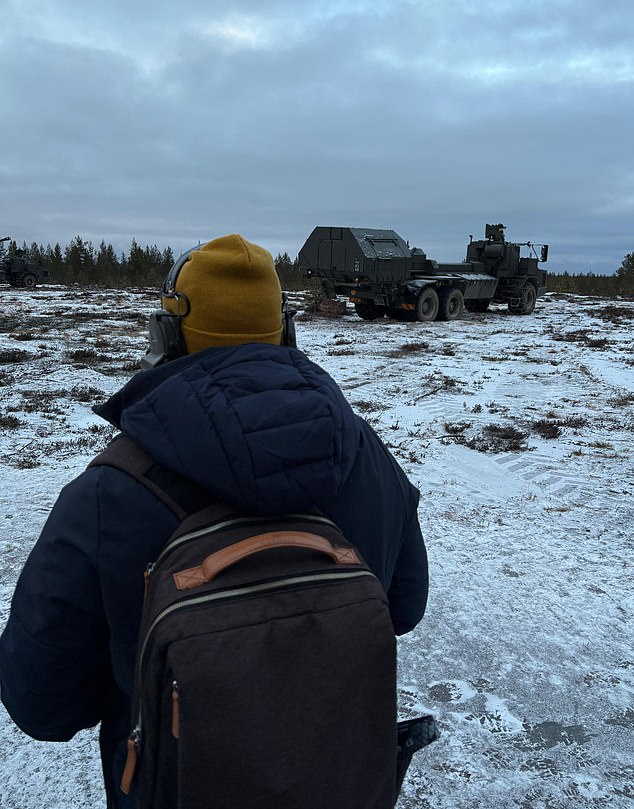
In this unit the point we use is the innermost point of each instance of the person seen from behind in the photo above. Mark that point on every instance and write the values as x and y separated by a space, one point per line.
225 404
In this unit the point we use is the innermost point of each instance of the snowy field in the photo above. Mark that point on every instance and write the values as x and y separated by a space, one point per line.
518 432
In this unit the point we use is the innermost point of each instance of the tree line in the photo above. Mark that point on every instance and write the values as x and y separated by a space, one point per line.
80 262
620 282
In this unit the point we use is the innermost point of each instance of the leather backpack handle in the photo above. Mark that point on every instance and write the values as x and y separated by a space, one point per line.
215 562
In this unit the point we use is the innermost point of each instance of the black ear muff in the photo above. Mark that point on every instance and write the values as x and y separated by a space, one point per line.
289 337
166 338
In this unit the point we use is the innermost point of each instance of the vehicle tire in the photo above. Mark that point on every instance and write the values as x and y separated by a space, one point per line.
528 298
427 305
481 305
29 281
369 310
450 303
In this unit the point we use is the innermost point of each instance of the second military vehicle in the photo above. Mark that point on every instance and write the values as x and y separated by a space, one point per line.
381 275
19 271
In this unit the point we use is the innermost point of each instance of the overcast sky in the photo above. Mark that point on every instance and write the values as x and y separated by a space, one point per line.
177 122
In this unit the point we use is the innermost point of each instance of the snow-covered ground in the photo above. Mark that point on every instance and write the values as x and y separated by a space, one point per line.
518 432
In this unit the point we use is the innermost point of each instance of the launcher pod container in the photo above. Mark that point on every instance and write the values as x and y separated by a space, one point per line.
382 275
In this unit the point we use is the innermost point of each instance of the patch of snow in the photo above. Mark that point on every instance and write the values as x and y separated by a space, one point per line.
525 655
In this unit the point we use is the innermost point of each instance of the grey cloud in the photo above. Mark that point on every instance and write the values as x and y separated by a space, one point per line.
430 119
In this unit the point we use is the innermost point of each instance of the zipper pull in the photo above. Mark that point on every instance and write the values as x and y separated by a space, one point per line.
134 748
176 711
146 576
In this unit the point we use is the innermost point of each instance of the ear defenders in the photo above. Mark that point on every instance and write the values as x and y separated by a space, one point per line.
166 338
289 336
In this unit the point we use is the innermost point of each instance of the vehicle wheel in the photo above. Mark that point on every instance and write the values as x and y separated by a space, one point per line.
427 305
528 297
451 303
369 310
481 305
29 281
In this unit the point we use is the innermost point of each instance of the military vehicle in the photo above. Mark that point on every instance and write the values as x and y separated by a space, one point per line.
381 275
20 271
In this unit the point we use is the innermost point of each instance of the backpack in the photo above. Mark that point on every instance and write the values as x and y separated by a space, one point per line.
266 664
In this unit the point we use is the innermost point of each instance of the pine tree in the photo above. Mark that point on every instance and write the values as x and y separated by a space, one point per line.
79 262
35 253
137 267
167 261
625 275
154 272
286 270
55 260
107 267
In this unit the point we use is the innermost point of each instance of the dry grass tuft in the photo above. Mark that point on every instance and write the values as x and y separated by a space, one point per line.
25 336
9 422
88 356
546 428
13 355
582 336
407 349
85 393
623 400
457 427
364 406
341 352
615 314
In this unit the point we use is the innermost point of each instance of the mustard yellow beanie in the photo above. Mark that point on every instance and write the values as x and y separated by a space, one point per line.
234 295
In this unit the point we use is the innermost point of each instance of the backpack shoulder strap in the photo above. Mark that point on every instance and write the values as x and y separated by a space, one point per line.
180 494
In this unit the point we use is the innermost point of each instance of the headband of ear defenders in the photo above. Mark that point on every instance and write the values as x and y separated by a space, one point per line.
169 284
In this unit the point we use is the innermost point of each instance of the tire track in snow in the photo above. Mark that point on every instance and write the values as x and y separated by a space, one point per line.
541 471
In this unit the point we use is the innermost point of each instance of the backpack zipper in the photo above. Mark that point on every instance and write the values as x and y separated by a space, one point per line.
134 748
240 592
176 710
213 529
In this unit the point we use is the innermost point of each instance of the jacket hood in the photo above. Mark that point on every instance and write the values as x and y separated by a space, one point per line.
261 427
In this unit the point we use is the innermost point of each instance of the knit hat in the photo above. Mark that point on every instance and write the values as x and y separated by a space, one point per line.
234 295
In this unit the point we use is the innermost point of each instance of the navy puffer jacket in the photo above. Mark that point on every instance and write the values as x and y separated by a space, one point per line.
260 427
